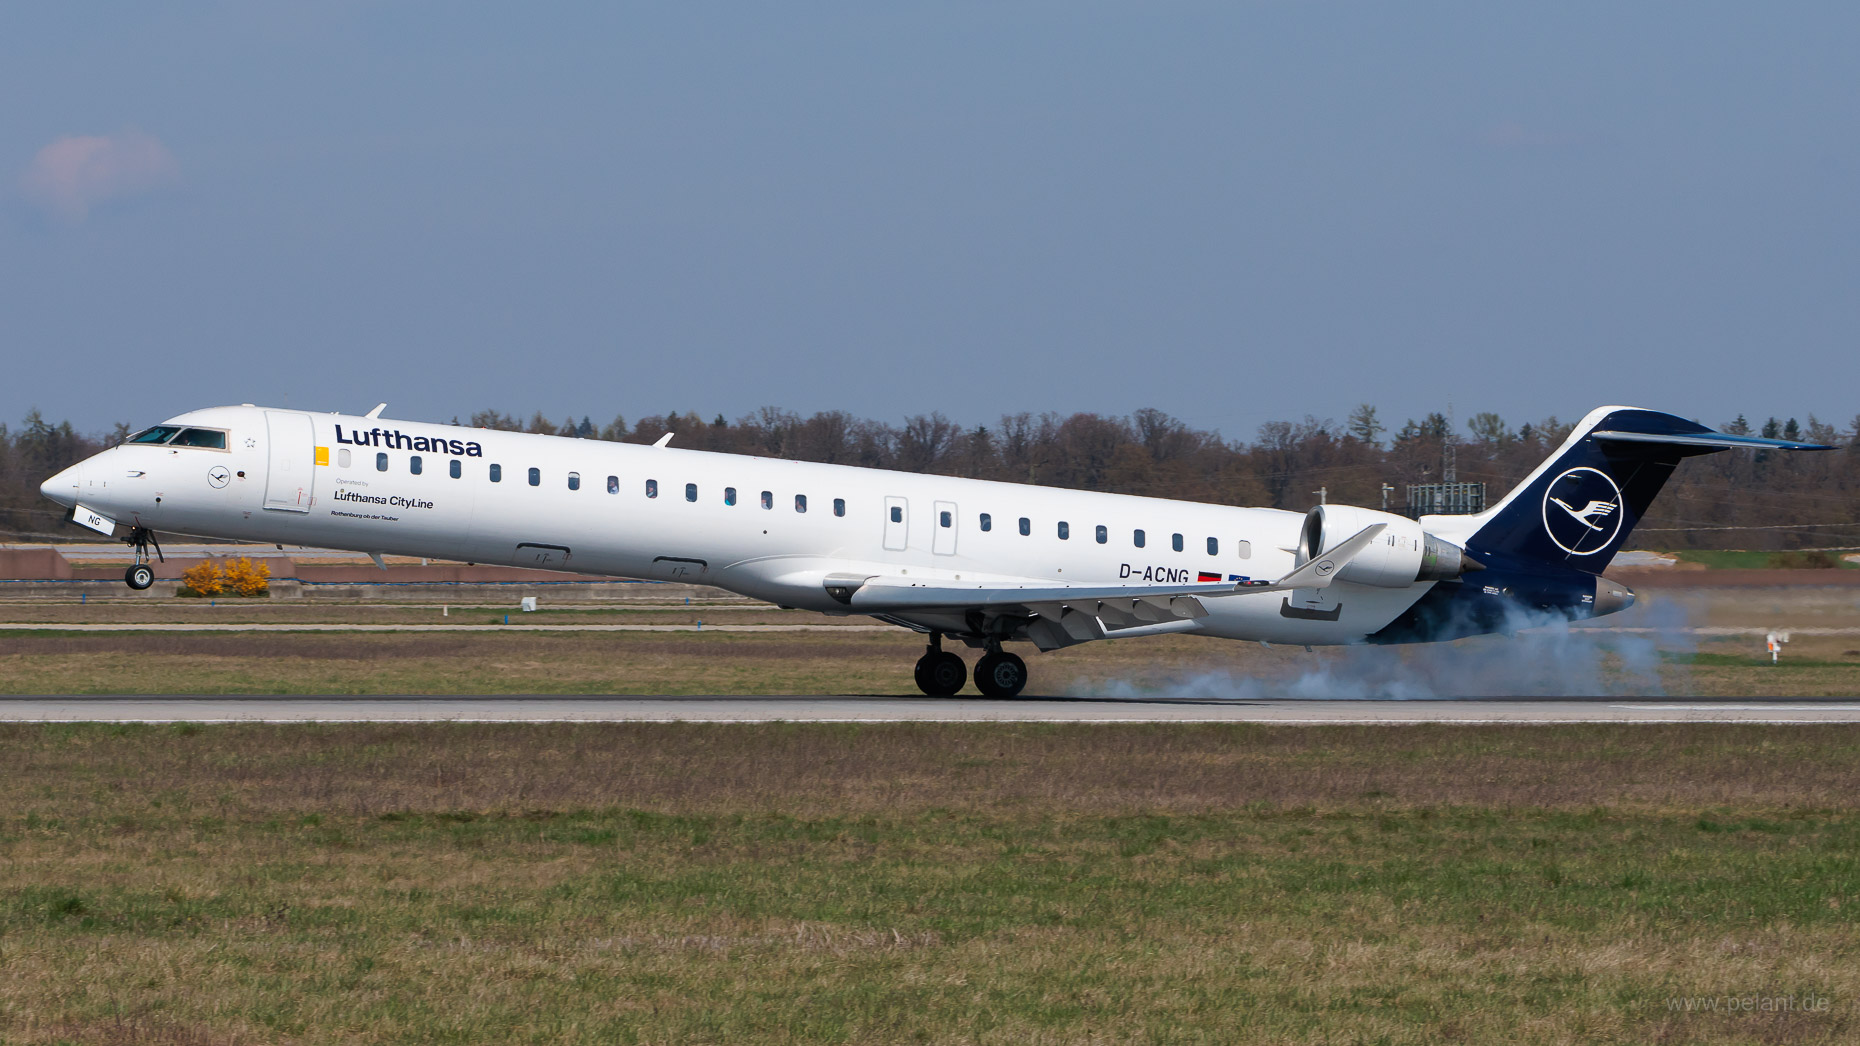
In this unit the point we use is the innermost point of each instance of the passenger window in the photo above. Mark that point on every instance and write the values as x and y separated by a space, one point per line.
800 502
457 469
729 495
839 506
1136 538
342 457
212 439
1175 542
768 499
1026 526
691 492
1244 548
1065 531
497 473
381 462
574 481
1104 534
652 488
416 465
897 514
613 484
943 520
536 477
988 522
1214 546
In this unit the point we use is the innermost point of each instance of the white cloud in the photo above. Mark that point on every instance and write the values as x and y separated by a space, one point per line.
77 172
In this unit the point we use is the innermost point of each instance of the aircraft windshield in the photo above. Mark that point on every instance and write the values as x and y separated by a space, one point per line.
158 434
211 438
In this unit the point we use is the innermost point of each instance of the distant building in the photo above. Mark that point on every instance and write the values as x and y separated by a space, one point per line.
1445 499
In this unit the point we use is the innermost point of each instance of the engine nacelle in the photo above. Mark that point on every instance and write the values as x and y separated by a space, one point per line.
1401 555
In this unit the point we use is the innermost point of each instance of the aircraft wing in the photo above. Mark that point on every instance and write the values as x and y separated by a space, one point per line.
1079 608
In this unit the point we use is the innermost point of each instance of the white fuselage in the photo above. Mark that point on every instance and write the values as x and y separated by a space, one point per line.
661 513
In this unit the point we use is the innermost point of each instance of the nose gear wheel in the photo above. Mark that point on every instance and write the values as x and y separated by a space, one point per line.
140 575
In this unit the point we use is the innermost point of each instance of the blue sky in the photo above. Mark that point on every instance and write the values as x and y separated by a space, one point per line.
1232 212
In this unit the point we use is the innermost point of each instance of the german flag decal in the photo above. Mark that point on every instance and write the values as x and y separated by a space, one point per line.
1205 576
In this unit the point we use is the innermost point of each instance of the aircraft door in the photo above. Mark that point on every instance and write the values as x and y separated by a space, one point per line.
290 477
897 523
945 529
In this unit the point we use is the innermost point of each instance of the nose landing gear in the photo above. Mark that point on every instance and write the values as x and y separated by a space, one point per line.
140 575
939 672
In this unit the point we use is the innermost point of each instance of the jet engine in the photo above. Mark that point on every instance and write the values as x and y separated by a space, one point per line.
1400 556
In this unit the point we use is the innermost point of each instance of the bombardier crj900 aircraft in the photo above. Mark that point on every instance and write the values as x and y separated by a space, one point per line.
982 562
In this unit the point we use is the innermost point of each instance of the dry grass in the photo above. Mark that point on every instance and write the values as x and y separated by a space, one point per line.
924 883
879 663
867 663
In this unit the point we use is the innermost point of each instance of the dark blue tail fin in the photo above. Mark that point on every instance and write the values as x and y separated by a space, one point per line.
1580 505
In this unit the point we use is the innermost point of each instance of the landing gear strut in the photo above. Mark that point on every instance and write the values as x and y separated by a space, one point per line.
140 575
939 672
999 673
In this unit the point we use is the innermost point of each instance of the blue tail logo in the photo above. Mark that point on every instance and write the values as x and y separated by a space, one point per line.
1582 511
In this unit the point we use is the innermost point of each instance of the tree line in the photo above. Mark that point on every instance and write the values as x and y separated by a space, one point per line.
1764 500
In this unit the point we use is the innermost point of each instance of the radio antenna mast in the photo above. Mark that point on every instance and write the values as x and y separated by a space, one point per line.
1449 455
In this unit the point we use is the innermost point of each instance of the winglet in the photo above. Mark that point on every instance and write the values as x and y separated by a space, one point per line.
379 407
1324 567
662 440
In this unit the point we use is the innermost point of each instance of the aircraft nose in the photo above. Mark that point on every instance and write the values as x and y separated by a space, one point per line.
63 487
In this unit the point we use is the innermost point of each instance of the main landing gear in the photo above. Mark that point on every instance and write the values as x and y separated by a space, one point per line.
998 674
939 672
140 575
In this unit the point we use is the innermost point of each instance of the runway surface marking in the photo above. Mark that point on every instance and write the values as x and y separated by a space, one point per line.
171 626
557 709
44 626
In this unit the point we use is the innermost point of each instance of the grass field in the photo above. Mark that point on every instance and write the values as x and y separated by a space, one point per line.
1746 559
880 663
928 883
1595 661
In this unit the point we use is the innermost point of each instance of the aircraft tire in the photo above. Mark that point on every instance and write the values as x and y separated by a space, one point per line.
139 577
1001 675
941 674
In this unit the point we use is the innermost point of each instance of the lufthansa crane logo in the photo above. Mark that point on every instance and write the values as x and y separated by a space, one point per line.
1582 511
218 476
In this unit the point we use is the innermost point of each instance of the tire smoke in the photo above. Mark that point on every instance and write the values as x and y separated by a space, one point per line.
1543 656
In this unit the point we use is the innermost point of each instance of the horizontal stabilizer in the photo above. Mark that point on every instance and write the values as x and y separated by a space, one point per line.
1724 440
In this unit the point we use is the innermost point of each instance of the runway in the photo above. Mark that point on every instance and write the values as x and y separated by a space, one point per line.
557 709
517 625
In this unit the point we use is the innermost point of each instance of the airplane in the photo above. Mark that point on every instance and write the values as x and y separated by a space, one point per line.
981 562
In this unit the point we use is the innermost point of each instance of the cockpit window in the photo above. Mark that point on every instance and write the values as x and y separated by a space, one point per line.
158 434
212 439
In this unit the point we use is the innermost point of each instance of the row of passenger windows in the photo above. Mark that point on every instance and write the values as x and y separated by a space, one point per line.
1138 538
729 495
417 466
